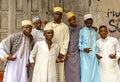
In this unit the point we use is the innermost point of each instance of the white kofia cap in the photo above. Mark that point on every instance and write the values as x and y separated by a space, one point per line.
48 27
26 22
36 18
88 16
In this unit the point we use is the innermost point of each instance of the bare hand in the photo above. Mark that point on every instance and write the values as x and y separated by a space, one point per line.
112 56
87 50
32 65
10 57
58 60
28 64
62 57
95 28
65 57
98 56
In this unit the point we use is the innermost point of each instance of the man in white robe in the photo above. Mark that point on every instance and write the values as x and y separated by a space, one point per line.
45 54
108 54
61 37
14 51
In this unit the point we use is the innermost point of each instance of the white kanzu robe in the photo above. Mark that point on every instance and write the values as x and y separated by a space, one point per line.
45 64
16 71
109 69
61 37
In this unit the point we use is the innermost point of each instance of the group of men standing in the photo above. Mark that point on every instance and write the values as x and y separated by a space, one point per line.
59 53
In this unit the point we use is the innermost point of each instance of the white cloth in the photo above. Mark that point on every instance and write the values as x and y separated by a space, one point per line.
61 37
16 71
37 35
119 57
109 70
45 64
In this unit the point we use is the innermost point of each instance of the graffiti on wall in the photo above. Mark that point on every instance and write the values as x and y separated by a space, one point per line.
114 21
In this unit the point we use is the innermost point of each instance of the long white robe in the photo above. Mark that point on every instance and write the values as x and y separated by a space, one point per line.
16 71
109 69
61 37
45 64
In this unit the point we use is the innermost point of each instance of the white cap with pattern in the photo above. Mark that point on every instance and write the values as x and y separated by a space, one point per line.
36 18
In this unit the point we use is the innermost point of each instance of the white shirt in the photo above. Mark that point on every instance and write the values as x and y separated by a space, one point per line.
109 70
37 35
45 64
16 68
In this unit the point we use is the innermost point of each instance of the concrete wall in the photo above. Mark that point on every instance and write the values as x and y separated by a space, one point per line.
107 12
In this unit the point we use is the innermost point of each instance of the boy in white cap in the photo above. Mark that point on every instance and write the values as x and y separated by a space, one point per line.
72 65
87 46
14 50
37 32
61 36
46 52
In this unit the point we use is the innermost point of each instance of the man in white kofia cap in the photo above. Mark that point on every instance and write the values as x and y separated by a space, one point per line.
46 52
87 46
14 51
37 32
61 37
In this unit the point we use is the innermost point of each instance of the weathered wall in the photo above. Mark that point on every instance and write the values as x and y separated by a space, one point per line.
12 12
107 12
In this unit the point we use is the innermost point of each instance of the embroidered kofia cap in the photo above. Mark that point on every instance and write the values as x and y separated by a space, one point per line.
59 9
70 14
48 27
36 18
26 22
88 16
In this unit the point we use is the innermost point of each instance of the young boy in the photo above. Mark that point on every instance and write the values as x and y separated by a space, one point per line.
46 53
108 54
14 50
87 46
37 32
72 65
